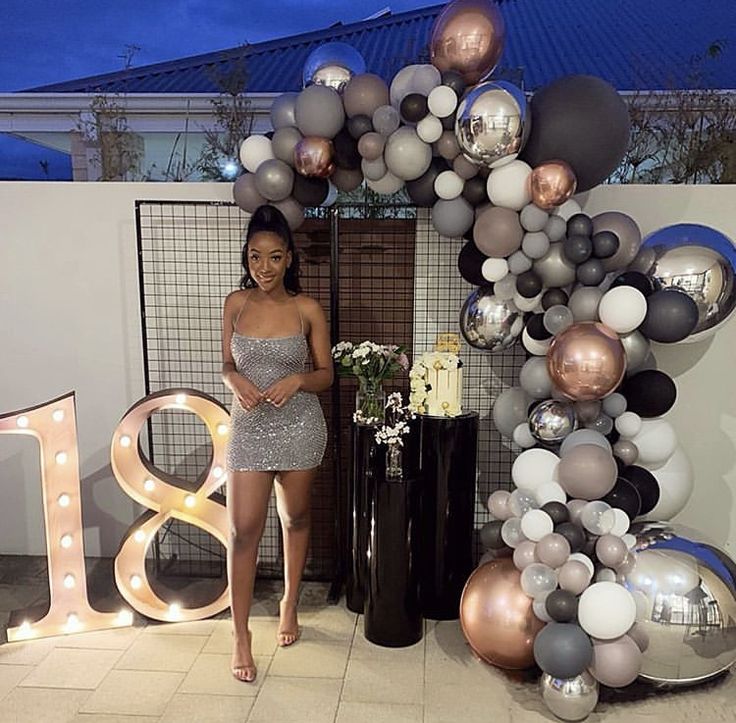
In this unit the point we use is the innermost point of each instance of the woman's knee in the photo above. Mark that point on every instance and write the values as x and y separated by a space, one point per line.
294 521
246 534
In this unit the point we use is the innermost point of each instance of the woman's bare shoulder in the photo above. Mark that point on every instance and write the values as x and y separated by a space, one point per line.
235 298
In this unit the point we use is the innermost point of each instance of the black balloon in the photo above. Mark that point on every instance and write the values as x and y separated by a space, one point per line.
641 282
645 484
650 393
561 606
671 316
528 284
557 511
346 151
574 534
414 107
536 329
359 125
475 191
309 190
554 297
454 80
469 263
580 119
590 273
626 497
577 248
579 224
421 190
605 244
490 535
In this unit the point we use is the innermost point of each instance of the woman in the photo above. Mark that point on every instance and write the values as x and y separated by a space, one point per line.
278 431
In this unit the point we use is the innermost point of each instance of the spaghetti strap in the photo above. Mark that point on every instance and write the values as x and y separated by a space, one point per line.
237 317
301 319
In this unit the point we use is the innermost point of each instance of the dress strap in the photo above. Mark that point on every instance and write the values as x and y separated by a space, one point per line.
237 317
301 319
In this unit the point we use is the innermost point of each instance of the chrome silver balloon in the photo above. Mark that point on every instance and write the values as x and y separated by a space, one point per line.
489 323
685 589
698 260
570 699
332 64
492 123
551 421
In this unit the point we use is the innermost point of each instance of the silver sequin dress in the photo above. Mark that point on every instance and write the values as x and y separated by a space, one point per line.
267 437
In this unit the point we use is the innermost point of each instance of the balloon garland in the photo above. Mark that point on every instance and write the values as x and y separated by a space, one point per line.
584 296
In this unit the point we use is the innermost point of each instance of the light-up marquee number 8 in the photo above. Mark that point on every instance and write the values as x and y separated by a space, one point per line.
54 425
164 498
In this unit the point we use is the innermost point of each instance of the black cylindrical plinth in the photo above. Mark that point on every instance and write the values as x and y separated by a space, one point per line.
448 468
393 616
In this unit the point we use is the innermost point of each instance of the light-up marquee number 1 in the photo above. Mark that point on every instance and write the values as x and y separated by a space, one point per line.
165 497
54 425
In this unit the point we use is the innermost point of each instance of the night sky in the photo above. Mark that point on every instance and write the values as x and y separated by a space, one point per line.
48 42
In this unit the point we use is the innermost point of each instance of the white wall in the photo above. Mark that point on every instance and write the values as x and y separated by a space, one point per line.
69 319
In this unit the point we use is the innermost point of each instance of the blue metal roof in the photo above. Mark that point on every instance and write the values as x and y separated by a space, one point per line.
633 44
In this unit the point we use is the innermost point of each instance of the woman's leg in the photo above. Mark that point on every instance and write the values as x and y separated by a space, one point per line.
247 504
293 497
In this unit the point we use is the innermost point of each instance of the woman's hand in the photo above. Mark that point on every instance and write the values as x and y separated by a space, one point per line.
283 390
247 393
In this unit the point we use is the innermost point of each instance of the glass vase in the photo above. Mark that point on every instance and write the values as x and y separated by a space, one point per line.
370 402
394 460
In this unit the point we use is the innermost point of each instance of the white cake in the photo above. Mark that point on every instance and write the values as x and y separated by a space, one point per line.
437 379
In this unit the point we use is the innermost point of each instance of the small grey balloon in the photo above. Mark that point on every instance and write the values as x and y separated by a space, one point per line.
555 228
274 179
283 143
533 218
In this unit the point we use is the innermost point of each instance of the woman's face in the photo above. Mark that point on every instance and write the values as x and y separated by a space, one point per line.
268 260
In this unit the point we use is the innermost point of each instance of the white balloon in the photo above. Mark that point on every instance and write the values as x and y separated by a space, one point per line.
580 557
448 185
511 532
621 523
406 155
533 468
675 479
550 492
629 539
508 186
442 101
254 150
523 436
494 269
386 185
429 129
419 78
623 309
505 288
535 524
527 304
567 209
656 442
628 425
583 436
606 610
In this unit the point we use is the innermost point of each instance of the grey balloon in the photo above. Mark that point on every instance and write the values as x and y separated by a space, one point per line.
447 146
587 410
488 323
616 663
406 154
626 451
371 145
637 349
364 94
587 471
319 111
464 168
557 318
562 650
533 218
519 262
614 405
510 409
629 237
346 180
535 244
497 231
283 111
492 125
671 316
570 699
602 423
698 579
274 179
293 212
373 170
386 119
534 378
555 228
246 194
554 269
584 303
452 218
283 143
584 436
551 421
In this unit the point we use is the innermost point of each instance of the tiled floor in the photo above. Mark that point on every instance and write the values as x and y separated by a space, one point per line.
180 673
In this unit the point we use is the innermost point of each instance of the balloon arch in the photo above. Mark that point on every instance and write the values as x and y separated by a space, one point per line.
568 582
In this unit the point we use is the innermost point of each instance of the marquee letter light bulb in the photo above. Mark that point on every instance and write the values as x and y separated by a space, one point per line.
165 497
54 425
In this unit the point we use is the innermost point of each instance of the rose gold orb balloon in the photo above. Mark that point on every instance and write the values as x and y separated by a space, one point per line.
586 361
313 157
468 37
552 183
497 618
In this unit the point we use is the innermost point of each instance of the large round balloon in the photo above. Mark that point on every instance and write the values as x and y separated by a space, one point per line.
332 64
491 124
488 323
319 111
468 37
563 650
407 155
364 94
586 361
671 316
699 261
688 590
497 618
582 120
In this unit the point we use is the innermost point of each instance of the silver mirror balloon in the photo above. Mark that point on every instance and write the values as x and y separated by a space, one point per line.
686 604
332 64
492 123
551 421
570 699
701 262
490 323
